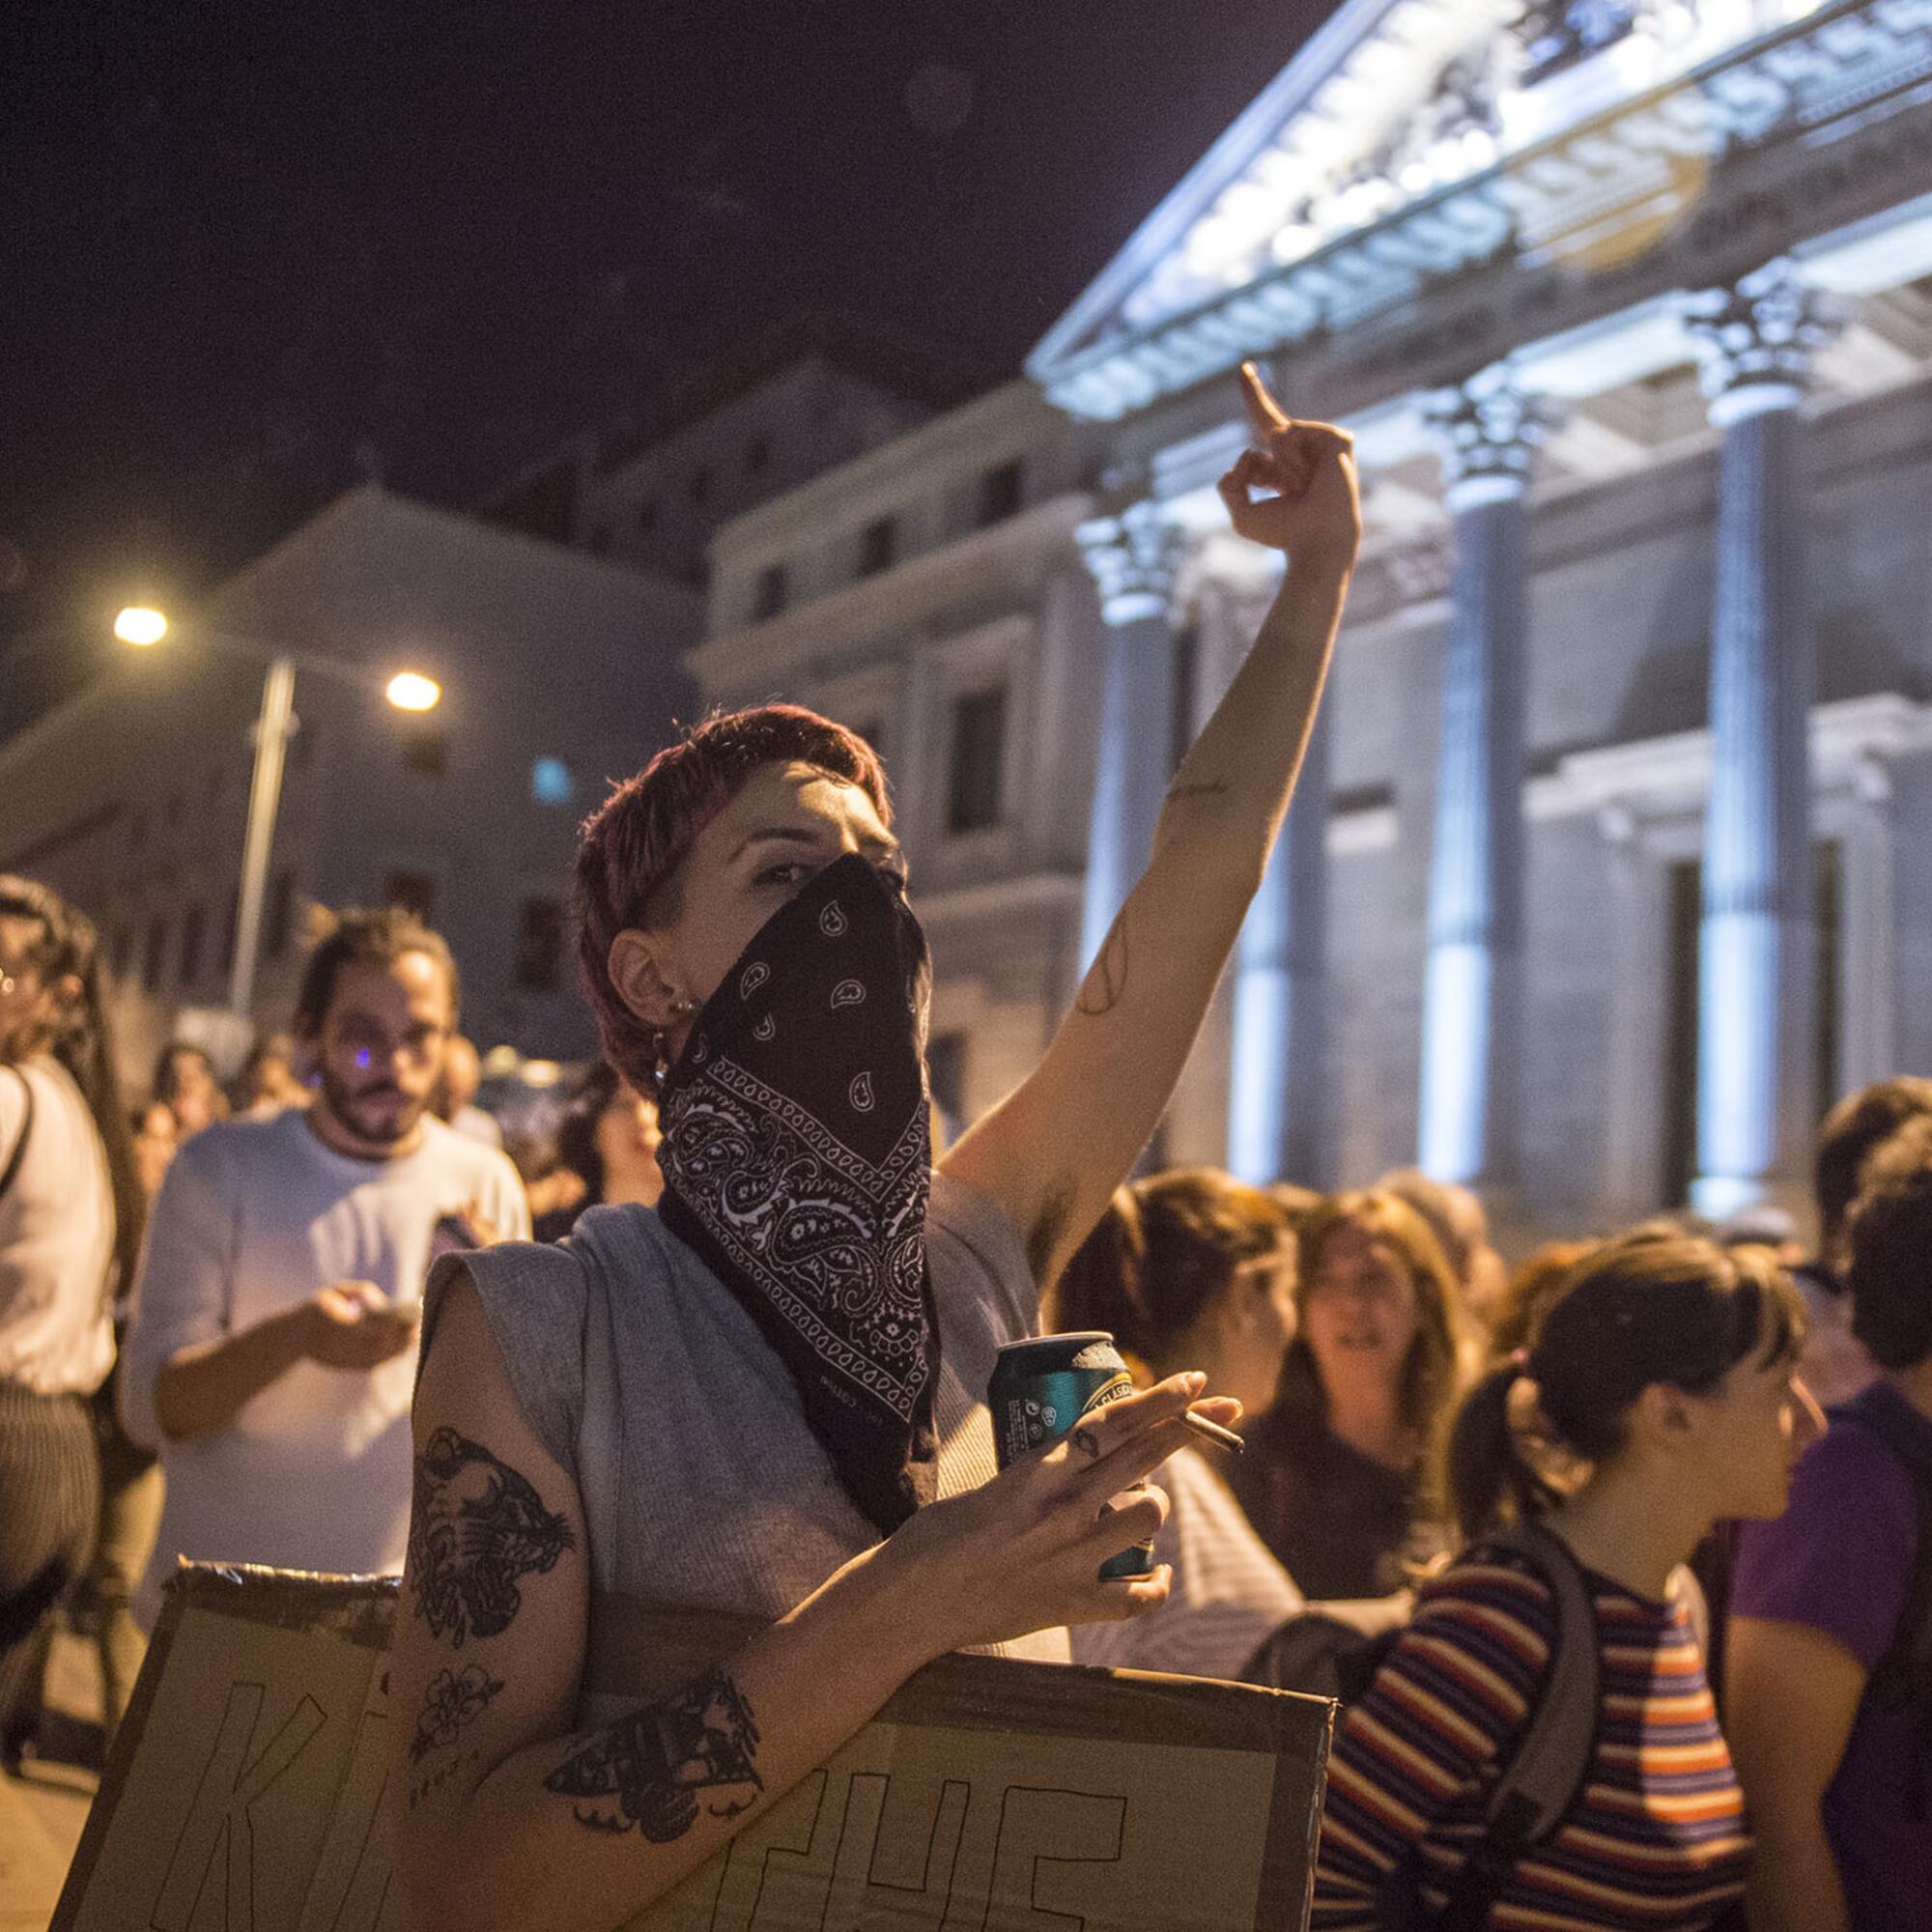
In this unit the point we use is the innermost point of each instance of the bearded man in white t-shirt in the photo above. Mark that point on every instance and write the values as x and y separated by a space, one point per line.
272 1350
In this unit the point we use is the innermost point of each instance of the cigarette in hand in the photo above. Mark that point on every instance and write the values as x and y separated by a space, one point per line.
1214 1432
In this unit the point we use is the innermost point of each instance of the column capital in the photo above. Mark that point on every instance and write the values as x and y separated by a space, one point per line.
1488 430
1134 557
1755 340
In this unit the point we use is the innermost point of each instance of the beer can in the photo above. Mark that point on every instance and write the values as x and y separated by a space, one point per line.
1041 1388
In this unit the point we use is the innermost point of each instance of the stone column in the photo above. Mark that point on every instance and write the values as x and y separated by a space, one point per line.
1134 557
1277 1089
1490 429
1755 1023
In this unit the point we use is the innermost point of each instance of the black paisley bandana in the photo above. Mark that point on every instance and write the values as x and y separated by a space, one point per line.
797 1158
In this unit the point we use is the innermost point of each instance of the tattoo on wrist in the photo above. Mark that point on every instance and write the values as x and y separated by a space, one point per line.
1108 978
476 1527
452 1702
654 1771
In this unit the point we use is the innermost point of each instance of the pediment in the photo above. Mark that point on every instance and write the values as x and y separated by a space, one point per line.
1388 107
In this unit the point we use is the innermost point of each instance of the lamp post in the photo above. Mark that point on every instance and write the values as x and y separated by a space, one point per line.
407 691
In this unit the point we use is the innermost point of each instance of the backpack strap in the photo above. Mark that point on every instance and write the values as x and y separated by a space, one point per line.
19 1154
1532 1793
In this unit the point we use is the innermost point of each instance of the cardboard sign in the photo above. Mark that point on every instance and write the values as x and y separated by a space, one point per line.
244 1791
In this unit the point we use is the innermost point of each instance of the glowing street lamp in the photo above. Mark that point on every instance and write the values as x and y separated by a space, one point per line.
140 626
408 691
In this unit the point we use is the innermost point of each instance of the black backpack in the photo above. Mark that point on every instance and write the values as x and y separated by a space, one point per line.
1902 1678
1529 1792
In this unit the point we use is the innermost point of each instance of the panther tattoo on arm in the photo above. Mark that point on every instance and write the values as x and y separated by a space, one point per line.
477 1529
652 1770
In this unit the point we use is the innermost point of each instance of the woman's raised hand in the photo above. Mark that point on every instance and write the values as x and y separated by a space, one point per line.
1313 507
1024 1551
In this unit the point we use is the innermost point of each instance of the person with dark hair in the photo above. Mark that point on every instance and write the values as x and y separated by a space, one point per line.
768 1394
608 1138
1657 1395
268 1081
1460 1223
70 1220
1837 1365
272 1350
184 1083
1828 1679
1191 1267
1333 1480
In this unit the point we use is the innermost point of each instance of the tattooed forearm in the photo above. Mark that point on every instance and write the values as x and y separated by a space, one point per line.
1107 978
476 1527
452 1702
1178 792
652 1770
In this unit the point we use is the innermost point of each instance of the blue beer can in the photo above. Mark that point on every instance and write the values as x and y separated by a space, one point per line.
1041 1388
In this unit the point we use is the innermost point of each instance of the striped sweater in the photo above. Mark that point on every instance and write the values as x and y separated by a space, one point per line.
1655 1839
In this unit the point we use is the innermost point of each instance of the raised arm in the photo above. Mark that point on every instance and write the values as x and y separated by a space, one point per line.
1055 1150
505 1815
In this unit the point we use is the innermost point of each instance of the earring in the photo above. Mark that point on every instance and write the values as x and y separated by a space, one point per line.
683 1006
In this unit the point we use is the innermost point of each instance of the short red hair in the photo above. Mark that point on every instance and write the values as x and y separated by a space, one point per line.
632 846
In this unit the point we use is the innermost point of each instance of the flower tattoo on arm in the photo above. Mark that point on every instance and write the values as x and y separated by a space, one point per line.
452 1702
477 1529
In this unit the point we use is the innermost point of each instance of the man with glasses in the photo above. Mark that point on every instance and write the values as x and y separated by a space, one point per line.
271 1355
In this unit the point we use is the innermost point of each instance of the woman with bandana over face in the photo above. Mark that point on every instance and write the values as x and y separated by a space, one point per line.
768 1394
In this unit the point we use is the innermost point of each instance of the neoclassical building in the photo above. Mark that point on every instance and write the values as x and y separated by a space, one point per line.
1613 860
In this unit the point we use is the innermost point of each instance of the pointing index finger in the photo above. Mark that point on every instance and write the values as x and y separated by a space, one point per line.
1265 413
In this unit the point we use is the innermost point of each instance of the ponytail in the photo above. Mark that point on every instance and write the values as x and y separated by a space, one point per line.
1484 1474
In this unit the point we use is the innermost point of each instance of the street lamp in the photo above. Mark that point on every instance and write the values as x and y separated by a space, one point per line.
408 691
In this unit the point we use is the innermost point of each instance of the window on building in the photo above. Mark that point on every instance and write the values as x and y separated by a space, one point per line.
757 456
551 783
975 775
278 924
772 592
538 965
878 545
414 891
945 1075
194 923
426 752
1002 491
154 954
698 485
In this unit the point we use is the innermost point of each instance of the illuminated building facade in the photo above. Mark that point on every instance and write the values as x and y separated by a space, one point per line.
1613 862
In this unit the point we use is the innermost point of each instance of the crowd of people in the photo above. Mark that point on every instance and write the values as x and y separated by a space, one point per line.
727 1343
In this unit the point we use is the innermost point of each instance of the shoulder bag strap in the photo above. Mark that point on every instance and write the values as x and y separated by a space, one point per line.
1539 1782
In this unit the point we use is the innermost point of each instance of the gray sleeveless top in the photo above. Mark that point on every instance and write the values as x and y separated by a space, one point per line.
701 1484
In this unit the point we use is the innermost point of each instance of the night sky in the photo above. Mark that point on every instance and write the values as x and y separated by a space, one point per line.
256 252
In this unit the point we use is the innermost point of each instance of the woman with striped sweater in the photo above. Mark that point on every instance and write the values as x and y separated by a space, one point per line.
1657 1397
